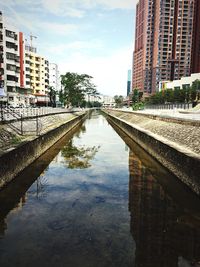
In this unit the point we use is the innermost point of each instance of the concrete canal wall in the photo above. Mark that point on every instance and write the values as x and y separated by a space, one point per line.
17 158
174 143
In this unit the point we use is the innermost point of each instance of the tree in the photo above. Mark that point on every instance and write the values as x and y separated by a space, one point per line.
194 91
118 100
52 96
135 96
91 91
74 88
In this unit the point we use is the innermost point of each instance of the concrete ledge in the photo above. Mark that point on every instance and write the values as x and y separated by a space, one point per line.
181 162
14 161
24 118
165 118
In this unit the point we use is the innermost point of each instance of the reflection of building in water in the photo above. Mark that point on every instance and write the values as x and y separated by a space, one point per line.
19 205
162 238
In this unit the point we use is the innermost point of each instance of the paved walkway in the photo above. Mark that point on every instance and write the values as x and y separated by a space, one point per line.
174 113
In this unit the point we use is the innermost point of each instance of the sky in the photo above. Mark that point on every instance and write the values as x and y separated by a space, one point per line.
84 36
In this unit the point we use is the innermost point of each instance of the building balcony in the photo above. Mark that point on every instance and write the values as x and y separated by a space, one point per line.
10 50
12 83
11 72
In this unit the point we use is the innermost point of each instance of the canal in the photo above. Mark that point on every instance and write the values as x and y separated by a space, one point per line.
96 199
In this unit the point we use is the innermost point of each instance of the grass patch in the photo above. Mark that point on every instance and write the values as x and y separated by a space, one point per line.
15 140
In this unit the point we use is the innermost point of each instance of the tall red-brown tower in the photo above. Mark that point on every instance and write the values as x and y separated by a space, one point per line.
195 62
139 51
164 39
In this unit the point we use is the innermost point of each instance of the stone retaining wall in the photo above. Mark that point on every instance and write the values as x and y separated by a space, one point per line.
183 163
14 161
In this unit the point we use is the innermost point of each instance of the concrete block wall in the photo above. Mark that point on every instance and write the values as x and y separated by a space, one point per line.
186 166
16 160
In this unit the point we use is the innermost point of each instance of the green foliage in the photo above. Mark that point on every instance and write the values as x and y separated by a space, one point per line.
138 106
78 157
185 95
118 100
15 140
52 96
74 88
137 96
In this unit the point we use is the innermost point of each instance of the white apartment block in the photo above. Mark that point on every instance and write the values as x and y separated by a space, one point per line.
54 77
92 98
24 74
10 62
107 101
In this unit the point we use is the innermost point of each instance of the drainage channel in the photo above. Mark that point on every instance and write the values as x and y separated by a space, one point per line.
97 199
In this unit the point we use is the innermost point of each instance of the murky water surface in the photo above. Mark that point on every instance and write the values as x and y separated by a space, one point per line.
94 200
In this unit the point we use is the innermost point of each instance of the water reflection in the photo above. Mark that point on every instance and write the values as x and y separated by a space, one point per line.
78 157
100 210
72 216
14 196
164 234
165 214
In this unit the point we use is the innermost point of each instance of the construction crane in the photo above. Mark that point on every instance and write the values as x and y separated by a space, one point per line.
31 40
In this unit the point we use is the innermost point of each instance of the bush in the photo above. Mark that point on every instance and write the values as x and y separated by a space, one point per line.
138 106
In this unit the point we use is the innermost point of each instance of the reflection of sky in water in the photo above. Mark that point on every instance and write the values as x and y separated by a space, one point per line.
76 217
89 216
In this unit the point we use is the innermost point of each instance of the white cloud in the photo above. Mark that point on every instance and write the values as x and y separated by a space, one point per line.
34 24
62 8
69 8
74 53
110 73
82 46
57 28
120 4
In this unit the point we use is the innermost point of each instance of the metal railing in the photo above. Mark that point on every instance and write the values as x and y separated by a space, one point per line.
170 106
16 118
8 113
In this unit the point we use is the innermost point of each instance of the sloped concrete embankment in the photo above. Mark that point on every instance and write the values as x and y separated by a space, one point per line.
177 157
17 159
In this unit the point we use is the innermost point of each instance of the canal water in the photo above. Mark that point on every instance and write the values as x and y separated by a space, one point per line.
96 199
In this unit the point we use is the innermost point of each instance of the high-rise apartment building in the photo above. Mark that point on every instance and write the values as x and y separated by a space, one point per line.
2 90
37 75
139 52
24 74
129 83
163 42
195 66
10 61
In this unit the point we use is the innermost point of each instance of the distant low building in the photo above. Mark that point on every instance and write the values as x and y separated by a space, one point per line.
180 84
107 101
